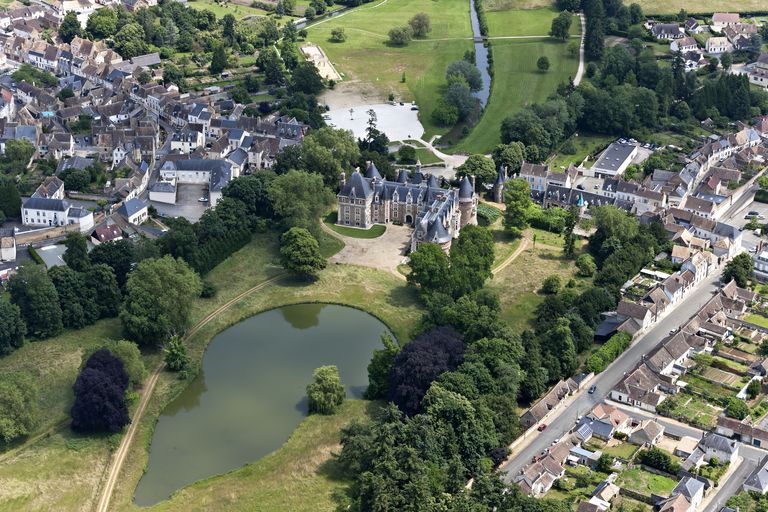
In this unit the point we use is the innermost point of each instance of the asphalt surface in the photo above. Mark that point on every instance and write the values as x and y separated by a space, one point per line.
606 380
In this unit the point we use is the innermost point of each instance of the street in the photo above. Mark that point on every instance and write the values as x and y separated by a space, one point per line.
605 381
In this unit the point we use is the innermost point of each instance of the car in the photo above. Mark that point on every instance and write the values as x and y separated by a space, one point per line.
542 427
578 418
415 108
401 103
203 200
592 389
557 440
754 213
580 187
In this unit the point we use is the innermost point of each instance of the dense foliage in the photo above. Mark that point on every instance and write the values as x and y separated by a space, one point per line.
32 290
100 395
300 253
326 392
608 352
19 405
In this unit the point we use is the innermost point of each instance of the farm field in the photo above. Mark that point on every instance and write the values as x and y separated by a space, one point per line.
517 83
366 57
698 6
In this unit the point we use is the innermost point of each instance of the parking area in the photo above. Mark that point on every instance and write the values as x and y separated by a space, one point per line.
187 204
398 121
739 219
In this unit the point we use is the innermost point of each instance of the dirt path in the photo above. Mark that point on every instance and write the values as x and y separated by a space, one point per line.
580 70
33 440
125 445
524 242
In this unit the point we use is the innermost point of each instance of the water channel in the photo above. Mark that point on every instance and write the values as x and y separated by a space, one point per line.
481 56
250 394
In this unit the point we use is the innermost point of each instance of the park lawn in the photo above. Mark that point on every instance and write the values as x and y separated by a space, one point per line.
366 57
504 244
374 231
645 482
756 319
585 145
517 83
221 9
427 157
299 476
696 6
519 283
505 5
525 22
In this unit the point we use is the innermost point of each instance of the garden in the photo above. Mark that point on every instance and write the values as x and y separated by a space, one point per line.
645 482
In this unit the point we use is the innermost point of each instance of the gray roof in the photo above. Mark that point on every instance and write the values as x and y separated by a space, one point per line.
759 477
131 207
437 233
688 487
614 156
356 186
238 156
465 189
599 428
372 172
162 186
75 162
402 177
44 203
77 212
718 442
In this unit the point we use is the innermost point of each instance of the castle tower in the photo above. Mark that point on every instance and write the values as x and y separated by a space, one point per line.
467 203
498 187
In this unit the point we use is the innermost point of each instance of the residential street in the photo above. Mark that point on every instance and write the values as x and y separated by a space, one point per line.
565 418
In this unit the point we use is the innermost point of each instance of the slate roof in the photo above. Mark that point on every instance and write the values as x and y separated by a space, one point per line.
688 487
43 203
759 477
465 189
131 207
615 155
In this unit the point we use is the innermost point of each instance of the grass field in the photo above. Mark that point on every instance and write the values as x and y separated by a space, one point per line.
426 157
365 55
644 482
756 319
525 22
696 6
505 5
585 145
374 231
693 409
62 472
222 8
517 83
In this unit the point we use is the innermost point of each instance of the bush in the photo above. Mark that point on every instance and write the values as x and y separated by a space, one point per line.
736 409
208 291
406 155
659 459
548 219
487 214
608 353
325 393
586 265
551 284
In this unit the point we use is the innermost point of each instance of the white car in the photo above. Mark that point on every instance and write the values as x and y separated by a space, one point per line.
203 200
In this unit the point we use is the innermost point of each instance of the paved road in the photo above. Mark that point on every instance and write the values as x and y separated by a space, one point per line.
606 380
733 484
580 70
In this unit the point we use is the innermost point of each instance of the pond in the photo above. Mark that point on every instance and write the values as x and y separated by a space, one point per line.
481 56
250 393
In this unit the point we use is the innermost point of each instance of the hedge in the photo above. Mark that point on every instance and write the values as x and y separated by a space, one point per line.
608 353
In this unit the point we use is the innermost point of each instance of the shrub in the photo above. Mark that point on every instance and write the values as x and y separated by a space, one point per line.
586 265
608 353
551 284
659 459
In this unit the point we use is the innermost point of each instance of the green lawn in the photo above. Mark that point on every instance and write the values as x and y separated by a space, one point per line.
525 22
517 83
585 144
374 231
222 8
693 409
756 319
365 56
694 6
426 157
646 483
624 451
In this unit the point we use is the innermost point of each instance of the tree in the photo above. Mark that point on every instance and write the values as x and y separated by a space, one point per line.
77 302
130 41
517 200
228 27
33 292
158 300
271 65
400 36
299 199
218 60
604 463
100 279
542 63
326 393
128 352
420 25
10 199
510 156
445 114
300 253
460 96
726 60
472 257
479 166
561 26
173 75
419 363
736 408
586 265
70 27
12 328
338 35
76 255
176 358
430 267
102 24
100 395
19 405
406 155
738 269
551 284
253 191
754 388
380 367
117 255
329 152
17 156
306 78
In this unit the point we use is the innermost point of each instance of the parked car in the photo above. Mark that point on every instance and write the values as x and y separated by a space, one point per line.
203 200
415 108
592 389
542 427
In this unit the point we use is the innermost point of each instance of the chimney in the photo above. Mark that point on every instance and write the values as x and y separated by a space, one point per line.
342 179
472 179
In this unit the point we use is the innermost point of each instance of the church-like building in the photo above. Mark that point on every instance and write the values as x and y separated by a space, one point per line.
437 214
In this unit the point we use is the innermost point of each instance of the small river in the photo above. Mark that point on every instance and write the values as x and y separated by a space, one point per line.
250 394
481 56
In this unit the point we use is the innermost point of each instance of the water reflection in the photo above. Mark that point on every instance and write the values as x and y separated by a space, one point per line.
302 316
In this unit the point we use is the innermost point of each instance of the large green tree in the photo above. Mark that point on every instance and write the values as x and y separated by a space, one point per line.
218 60
561 26
326 393
118 255
299 199
300 253
738 269
77 301
380 367
479 166
70 27
130 41
158 302
101 280
12 328
517 200
33 292
329 152
10 199
510 156
76 255
430 268
471 259
19 405
102 23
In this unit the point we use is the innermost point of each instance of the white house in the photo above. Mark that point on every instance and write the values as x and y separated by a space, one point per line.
717 45
134 211
216 173
614 160
720 20
692 489
163 192
758 480
713 446
686 44
186 141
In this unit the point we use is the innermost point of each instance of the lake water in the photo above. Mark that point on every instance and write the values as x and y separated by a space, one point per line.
251 392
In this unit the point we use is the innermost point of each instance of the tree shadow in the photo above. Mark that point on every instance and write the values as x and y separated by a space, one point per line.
403 296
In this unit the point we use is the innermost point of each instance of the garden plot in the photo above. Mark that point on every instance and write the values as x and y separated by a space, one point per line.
721 377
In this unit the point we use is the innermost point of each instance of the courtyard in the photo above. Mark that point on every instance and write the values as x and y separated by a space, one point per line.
385 252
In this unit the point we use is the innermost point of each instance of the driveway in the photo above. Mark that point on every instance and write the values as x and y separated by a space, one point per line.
187 204
384 253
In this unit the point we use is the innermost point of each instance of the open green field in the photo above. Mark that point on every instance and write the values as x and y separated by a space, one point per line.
644 482
426 157
220 9
505 5
366 57
696 6
584 144
374 231
517 83
525 22
756 319
62 471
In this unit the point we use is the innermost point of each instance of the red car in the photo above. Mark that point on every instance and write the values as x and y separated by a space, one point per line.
542 427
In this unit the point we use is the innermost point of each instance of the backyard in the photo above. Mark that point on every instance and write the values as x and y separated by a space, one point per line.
644 482
691 409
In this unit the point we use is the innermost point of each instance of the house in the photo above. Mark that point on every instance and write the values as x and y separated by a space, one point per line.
647 433
692 26
584 457
690 488
547 403
614 160
684 45
535 175
538 478
718 45
641 388
742 431
163 192
51 188
106 233
589 427
676 503
667 31
216 173
758 480
641 315
720 20
134 211
699 206
712 446
758 75
611 415
685 447
187 140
